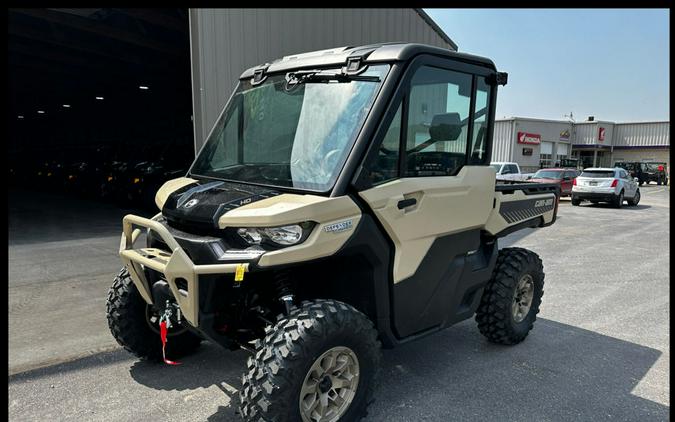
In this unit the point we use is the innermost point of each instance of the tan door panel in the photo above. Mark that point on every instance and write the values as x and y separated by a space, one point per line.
445 205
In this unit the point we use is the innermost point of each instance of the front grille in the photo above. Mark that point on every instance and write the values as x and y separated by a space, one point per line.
193 227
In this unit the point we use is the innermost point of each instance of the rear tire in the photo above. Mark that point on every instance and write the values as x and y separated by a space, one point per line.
128 323
575 201
618 201
500 316
285 361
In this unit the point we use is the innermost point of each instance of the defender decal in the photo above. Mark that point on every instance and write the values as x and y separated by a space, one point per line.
338 227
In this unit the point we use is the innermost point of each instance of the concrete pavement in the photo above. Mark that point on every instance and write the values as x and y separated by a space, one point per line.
599 349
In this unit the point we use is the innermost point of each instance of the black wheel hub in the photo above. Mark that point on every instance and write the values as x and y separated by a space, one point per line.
326 384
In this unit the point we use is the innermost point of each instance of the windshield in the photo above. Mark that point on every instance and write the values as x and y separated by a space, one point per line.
496 167
600 174
548 175
295 136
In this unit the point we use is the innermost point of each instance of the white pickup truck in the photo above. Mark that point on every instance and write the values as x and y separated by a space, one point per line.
509 171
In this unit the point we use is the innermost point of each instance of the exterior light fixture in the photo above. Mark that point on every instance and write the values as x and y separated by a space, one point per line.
143 87
99 98
66 105
41 112
19 117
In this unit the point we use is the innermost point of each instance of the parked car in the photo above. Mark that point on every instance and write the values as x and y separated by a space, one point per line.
508 171
613 185
563 177
646 172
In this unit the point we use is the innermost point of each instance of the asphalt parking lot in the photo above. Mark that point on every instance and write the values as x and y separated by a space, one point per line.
599 349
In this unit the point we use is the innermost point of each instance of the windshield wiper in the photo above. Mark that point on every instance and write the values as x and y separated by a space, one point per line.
305 76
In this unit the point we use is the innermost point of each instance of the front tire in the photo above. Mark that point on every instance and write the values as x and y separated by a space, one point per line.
636 198
511 299
305 367
129 322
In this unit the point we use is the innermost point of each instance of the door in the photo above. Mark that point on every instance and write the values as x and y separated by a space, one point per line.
566 183
630 186
434 203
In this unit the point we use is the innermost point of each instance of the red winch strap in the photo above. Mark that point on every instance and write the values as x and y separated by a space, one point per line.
162 332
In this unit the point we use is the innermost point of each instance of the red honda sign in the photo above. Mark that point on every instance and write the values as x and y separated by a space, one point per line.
529 138
601 134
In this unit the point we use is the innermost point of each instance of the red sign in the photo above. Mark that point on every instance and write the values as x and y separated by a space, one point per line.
529 138
601 134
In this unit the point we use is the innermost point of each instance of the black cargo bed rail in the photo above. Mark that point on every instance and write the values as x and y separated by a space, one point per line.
528 188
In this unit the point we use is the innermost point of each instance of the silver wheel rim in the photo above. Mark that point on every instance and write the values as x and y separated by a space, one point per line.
329 386
522 298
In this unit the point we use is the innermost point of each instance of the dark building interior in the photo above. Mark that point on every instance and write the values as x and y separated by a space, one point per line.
99 100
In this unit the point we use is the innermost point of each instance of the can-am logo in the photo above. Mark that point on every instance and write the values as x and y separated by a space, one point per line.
529 138
543 203
191 203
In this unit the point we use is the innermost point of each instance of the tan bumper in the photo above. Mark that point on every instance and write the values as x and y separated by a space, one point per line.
173 265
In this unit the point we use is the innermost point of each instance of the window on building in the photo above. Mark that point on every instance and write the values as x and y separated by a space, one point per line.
545 160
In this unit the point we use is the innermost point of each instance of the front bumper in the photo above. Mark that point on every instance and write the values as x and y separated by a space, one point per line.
174 266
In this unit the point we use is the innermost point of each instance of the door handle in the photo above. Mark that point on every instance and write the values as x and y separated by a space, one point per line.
404 203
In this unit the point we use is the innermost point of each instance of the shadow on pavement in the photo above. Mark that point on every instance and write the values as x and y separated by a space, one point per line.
637 207
211 365
560 372
93 361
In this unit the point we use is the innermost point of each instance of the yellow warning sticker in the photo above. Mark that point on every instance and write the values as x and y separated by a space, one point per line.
239 272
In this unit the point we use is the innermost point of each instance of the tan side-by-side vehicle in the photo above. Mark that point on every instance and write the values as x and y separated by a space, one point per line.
342 202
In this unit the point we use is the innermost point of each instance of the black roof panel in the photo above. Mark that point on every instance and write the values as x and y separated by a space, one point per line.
386 52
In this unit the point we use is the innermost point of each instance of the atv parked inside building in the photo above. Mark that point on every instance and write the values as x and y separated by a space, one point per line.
342 202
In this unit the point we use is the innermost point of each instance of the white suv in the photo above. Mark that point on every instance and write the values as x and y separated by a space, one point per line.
612 185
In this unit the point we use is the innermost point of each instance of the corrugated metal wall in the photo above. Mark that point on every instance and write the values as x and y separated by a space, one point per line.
642 134
225 42
503 140
585 134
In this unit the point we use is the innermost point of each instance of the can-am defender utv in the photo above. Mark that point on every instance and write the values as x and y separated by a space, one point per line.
342 201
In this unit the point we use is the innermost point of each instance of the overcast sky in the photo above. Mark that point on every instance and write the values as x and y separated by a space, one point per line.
613 64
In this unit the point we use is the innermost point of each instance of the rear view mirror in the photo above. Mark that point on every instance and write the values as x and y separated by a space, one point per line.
445 127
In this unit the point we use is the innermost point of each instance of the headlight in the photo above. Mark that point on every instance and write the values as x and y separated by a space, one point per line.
284 235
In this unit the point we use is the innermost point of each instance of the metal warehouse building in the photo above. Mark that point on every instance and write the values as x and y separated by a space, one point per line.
538 143
225 42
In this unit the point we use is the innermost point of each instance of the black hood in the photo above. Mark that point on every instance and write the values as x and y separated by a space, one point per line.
202 203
